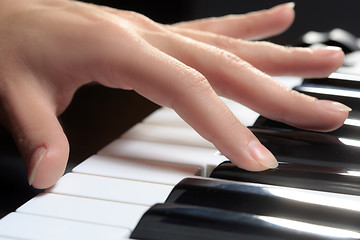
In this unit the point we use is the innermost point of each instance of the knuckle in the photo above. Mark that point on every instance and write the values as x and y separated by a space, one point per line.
142 21
228 57
190 81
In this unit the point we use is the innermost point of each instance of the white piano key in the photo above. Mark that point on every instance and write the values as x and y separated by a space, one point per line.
134 169
161 152
111 189
245 115
167 134
25 226
289 82
167 117
7 238
84 209
354 70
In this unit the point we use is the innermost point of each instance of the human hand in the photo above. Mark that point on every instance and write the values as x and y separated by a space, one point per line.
49 48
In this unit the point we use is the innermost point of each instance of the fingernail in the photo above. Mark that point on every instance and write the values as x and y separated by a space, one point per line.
333 106
34 163
325 51
290 4
262 155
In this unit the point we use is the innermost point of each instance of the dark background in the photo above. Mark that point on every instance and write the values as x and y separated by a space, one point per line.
98 115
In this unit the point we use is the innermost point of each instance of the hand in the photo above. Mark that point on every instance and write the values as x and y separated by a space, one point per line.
49 48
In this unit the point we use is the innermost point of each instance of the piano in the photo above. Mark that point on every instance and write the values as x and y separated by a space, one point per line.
161 180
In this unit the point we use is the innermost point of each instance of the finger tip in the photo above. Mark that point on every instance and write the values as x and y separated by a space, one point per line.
258 158
49 168
330 59
262 155
287 11
328 116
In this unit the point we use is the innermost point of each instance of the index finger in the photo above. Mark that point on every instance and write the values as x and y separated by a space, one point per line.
171 83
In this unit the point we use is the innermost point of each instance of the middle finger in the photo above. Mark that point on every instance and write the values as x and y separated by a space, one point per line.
274 59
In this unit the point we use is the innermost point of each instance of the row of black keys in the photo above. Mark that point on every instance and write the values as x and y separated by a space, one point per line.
245 208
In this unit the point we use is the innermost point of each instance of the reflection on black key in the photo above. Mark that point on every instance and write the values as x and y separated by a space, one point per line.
349 97
337 80
311 148
327 179
268 200
177 221
350 129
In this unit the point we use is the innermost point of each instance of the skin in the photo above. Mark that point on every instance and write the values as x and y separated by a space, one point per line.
50 48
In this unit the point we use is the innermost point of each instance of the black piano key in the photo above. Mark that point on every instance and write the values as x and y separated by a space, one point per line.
350 129
337 80
349 97
178 222
310 148
267 200
338 180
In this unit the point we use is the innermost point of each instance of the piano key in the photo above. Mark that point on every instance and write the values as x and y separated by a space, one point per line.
177 221
328 209
311 148
338 180
167 134
111 189
338 80
355 70
78 209
352 59
165 117
204 158
25 226
135 169
350 129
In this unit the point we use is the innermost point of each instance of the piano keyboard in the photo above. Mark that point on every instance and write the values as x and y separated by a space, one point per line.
153 183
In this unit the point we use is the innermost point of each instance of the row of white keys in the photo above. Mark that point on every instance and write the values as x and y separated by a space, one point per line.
109 213
86 200
103 185
136 169
203 158
171 142
111 189
27 226
131 165
167 134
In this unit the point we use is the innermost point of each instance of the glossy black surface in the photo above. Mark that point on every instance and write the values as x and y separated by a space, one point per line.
218 209
310 148
346 131
178 222
337 80
326 179
264 200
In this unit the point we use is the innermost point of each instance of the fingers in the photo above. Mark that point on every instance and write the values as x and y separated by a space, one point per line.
171 83
32 121
274 59
232 77
255 25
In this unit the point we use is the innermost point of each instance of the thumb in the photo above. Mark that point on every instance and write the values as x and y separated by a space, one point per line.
30 116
